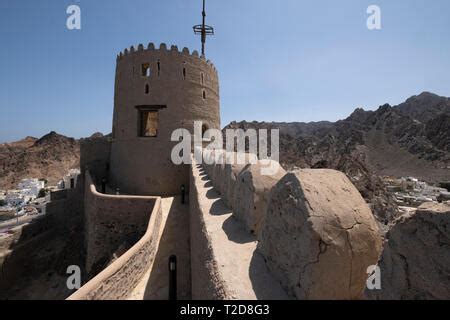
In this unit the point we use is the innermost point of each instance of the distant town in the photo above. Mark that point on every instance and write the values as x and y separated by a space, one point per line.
409 193
21 205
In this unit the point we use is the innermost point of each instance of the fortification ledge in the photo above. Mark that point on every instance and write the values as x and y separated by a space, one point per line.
163 49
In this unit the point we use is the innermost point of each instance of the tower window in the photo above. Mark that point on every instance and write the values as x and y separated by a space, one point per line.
146 70
149 123
204 94
202 78
184 73
148 117
159 67
147 89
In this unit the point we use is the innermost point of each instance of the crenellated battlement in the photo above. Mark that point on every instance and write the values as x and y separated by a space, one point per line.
163 49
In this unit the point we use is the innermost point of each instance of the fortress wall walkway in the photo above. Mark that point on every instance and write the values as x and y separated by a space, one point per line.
174 239
224 260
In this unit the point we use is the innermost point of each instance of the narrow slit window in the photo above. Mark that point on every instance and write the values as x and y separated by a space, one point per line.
149 123
203 78
147 89
146 72
184 73
159 67
204 94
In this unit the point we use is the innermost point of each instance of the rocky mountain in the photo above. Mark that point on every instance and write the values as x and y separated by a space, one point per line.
49 157
411 139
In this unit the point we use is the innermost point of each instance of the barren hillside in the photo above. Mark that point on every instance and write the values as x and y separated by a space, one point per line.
49 157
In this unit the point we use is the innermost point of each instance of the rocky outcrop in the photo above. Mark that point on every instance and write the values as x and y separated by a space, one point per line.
251 194
415 263
319 235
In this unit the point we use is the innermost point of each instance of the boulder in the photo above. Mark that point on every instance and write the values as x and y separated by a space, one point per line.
415 263
231 171
251 194
319 236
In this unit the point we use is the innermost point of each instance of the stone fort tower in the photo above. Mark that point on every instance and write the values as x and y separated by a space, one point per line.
156 92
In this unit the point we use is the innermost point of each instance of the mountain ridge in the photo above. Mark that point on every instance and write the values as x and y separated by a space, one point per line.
409 139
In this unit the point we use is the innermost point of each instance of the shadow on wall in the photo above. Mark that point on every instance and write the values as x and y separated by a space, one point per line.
204 177
113 225
261 279
259 274
263 284
235 231
174 241
218 208
41 251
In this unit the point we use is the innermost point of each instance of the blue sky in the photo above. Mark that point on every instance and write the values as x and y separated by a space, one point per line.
287 60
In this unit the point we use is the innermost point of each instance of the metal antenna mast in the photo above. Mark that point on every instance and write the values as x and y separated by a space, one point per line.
203 29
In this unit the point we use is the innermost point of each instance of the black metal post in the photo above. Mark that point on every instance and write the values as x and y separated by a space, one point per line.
104 186
183 193
173 277
203 30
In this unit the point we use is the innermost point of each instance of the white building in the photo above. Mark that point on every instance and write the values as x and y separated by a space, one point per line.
28 190
31 187
70 180
16 198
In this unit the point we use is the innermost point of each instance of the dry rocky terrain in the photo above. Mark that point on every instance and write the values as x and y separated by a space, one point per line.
49 157
410 139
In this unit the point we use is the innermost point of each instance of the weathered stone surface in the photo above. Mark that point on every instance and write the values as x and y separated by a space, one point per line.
210 159
251 194
207 161
415 263
231 171
319 235
218 176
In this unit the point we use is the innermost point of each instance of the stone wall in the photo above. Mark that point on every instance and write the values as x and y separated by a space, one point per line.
95 156
121 277
243 184
315 231
415 263
207 282
65 210
111 222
